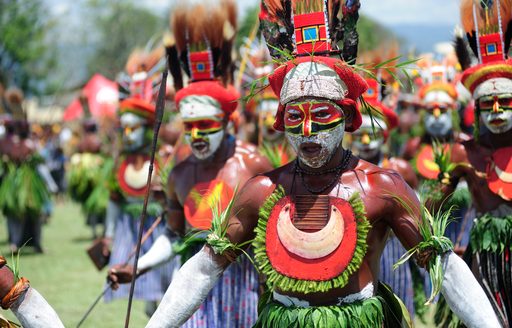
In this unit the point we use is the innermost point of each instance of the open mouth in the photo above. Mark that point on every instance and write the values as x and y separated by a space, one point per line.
497 122
200 146
310 149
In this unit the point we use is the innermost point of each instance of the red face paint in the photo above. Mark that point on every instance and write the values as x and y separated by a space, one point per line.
311 117
202 127
488 103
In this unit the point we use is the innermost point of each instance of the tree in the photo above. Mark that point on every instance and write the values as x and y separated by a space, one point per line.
26 55
121 26
246 25
372 34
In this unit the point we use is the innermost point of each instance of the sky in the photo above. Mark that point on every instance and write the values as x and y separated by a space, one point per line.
393 12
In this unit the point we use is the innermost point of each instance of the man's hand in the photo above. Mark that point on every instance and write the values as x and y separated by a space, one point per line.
120 274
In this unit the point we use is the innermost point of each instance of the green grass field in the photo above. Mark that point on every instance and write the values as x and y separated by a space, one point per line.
65 275
67 278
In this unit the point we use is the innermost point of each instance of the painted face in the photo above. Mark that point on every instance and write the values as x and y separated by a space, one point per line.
496 112
368 139
204 135
134 129
438 119
314 129
203 125
268 110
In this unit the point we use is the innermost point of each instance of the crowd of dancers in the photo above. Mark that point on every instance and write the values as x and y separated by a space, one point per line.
291 175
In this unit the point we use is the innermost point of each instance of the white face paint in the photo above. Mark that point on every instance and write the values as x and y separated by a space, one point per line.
206 146
438 118
439 126
203 121
368 139
134 130
496 112
497 122
329 141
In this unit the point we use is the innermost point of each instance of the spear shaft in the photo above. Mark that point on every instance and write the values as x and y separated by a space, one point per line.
160 104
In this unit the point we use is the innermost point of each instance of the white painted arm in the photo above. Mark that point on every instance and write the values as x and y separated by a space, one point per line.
44 172
113 212
464 294
188 289
160 252
33 311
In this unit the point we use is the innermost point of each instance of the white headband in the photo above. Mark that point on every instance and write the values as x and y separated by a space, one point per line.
493 86
195 106
312 79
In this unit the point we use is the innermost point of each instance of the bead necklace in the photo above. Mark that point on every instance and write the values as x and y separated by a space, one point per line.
347 155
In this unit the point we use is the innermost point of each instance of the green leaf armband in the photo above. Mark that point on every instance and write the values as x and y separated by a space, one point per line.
429 252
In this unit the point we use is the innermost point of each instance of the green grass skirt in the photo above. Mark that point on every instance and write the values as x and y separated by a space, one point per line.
383 310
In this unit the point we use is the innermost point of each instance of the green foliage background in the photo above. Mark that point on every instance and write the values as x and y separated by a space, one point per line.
120 26
26 53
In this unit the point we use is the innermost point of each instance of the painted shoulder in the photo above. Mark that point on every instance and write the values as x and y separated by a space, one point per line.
379 178
249 156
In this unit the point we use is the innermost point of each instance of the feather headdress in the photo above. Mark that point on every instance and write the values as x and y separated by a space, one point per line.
204 34
308 37
201 46
488 27
142 77
307 27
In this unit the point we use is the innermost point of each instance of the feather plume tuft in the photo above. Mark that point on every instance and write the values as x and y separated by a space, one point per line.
461 50
203 26
143 61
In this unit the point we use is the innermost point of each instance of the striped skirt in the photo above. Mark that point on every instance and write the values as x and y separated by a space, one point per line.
233 302
152 285
459 230
400 280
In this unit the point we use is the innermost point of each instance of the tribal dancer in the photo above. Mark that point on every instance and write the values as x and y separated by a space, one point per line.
320 223
128 185
26 184
368 142
439 102
127 195
487 163
88 169
218 164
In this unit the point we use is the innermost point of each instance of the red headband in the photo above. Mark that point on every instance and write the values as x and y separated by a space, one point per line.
227 97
